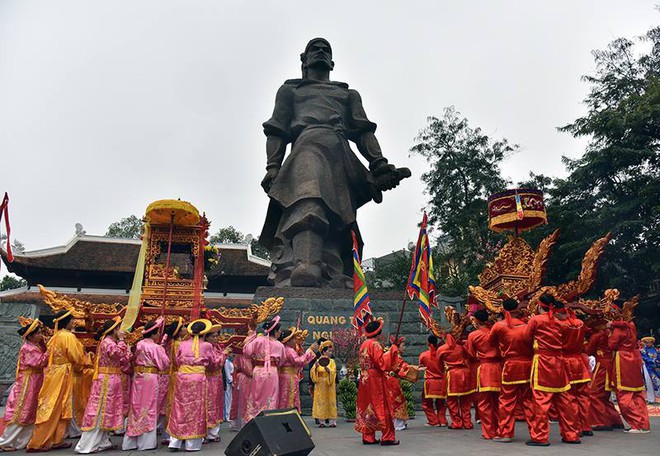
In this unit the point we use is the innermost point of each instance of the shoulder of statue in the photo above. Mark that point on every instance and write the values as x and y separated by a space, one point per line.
303 82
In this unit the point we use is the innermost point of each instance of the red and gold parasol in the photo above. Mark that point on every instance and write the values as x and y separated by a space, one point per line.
518 210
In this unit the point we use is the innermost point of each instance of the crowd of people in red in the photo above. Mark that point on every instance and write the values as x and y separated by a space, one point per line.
533 369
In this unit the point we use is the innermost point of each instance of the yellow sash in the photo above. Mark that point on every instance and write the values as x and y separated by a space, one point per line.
185 369
109 370
146 370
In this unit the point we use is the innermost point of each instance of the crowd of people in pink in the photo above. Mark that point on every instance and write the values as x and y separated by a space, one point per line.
171 382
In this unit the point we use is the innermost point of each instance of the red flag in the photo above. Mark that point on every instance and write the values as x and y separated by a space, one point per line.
4 210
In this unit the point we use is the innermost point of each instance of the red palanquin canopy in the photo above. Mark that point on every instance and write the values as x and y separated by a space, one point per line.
518 209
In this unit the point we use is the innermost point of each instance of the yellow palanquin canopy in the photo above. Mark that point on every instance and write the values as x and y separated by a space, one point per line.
518 210
180 212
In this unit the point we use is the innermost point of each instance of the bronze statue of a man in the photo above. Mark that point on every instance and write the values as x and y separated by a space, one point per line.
315 193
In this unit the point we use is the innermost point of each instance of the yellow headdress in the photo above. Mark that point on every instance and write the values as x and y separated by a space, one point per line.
326 344
57 320
115 322
207 327
32 328
293 332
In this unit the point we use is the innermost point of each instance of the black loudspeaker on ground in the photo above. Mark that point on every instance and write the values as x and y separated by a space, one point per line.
273 432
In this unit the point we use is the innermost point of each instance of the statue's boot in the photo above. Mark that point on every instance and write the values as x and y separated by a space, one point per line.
307 248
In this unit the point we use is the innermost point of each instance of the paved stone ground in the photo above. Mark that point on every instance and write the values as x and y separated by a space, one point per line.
421 440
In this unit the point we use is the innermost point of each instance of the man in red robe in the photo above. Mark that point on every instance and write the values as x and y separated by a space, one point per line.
398 403
579 373
489 373
603 416
626 376
509 336
434 393
460 388
373 408
549 378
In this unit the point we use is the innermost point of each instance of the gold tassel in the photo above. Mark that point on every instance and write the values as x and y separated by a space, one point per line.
49 346
96 362
18 366
195 346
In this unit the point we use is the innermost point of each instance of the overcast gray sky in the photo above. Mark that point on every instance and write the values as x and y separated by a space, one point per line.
106 106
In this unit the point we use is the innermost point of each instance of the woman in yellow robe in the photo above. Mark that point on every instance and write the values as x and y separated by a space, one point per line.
82 386
55 405
324 407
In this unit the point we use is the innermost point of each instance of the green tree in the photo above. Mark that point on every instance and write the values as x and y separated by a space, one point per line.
615 185
10 283
227 235
230 235
390 273
129 228
464 169
17 247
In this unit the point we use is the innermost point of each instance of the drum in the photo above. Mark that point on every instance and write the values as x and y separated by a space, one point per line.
410 374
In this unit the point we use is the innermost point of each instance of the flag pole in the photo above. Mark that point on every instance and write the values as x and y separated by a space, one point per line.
403 307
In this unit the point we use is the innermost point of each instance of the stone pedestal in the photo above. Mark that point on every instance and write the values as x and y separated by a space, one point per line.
320 310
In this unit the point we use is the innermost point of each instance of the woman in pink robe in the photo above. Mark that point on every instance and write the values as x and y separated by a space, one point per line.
215 387
266 354
289 371
21 409
105 408
126 385
187 421
242 382
150 359
174 334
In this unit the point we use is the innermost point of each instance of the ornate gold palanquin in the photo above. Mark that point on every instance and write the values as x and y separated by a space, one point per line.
178 289
169 282
517 271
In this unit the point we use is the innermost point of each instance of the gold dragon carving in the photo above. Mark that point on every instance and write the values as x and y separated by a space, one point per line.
300 336
81 310
270 306
506 263
458 322
540 262
515 258
257 313
571 291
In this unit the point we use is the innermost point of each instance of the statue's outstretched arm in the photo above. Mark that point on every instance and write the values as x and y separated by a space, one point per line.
387 176
361 131
370 149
